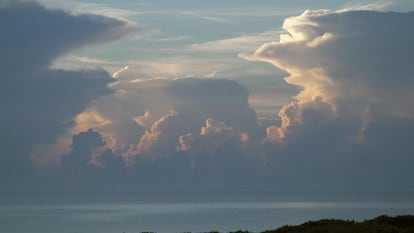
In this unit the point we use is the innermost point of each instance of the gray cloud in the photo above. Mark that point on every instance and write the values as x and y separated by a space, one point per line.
351 120
88 157
40 103
42 35
222 100
83 146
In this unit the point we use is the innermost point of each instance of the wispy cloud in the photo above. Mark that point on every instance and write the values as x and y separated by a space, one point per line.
174 38
183 66
374 5
102 9
89 60
216 19
236 44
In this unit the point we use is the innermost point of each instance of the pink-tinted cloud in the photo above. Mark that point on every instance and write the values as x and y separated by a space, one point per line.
346 61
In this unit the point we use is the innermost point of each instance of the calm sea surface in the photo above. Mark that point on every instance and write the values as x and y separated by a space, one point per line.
181 212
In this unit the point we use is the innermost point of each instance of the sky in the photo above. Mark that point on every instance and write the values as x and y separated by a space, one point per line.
206 95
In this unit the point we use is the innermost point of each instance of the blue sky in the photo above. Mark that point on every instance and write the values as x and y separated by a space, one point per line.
290 91
202 39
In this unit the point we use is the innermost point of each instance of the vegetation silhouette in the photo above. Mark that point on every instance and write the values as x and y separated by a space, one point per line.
380 224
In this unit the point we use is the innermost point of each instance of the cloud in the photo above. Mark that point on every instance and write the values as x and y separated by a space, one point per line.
89 164
159 140
192 102
131 73
144 118
373 6
40 103
68 32
88 60
346 59
216 19
351 120
209 98
211 136
157 156
353 72
239 44
170 39
298 114
84 145
160 112
101 9
133 108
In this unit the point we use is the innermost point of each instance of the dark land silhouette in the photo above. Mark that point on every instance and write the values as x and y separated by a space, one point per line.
380 224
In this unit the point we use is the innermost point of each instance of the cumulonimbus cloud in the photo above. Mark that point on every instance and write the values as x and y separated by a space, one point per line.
356 62
39 103
184 131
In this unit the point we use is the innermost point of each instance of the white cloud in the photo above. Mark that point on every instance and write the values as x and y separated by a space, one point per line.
245 43
89 60
170 39
216 19
358 62
79 7
181 66
154 139
211 136
377 5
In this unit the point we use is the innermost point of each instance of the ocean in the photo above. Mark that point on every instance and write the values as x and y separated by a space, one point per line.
173 212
